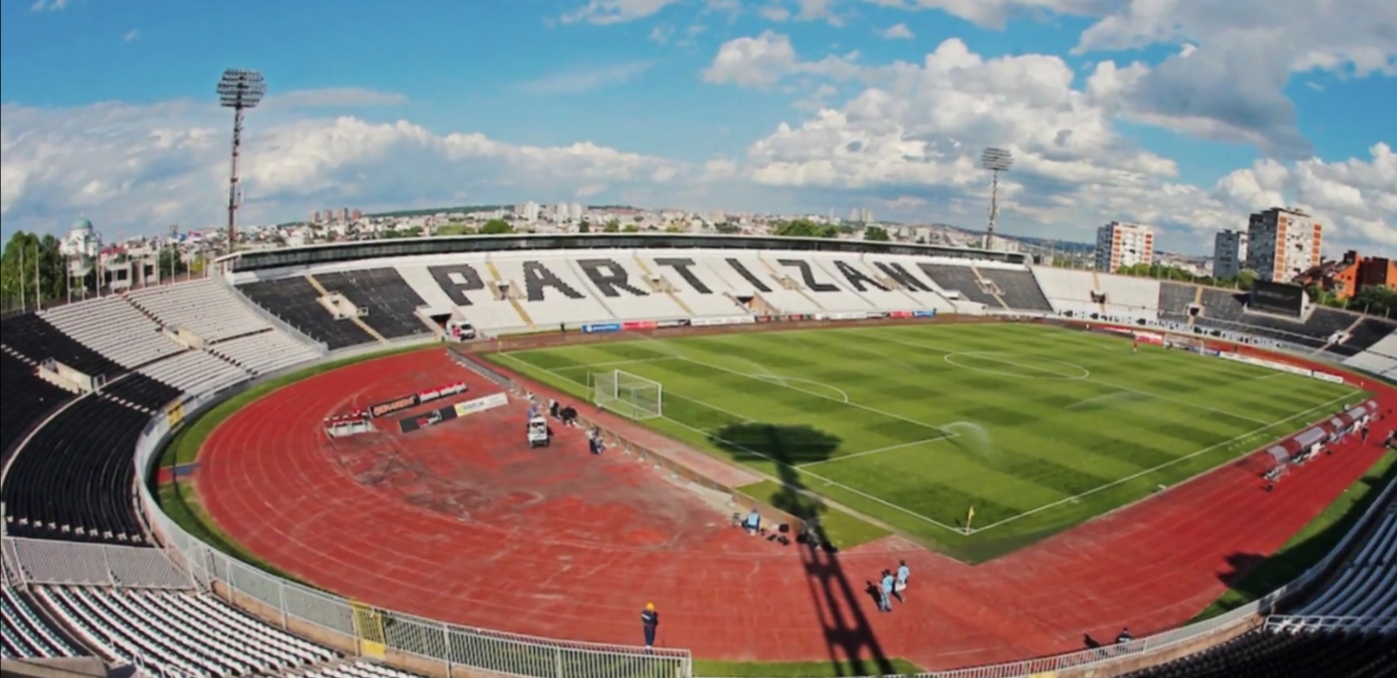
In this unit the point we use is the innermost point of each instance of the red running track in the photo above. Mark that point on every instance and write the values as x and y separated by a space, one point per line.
462 523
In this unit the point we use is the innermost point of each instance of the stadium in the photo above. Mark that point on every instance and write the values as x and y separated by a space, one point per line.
320 461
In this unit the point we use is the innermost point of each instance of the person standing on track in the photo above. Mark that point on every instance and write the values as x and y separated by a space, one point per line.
885 599
900 586
650 620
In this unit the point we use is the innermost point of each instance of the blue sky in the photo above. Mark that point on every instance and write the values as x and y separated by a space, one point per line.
1186 143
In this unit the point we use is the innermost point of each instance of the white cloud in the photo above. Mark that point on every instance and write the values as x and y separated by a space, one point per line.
584 80
136 168
775 13
338 97
48 5
1235 59
919 129
605 12
897 32
764 60
131 36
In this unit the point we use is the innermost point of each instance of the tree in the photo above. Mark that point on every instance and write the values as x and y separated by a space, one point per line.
804 228
455 228
170 262
612 226
496 227
630 228
28 258
1375 299
726 228
876 234
584 227
1246 279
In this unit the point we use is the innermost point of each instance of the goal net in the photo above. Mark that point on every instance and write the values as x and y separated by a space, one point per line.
628 394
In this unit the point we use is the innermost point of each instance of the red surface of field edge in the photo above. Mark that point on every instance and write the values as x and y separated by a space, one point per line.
463 523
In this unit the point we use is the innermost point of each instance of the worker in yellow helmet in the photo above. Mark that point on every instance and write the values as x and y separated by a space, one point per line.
650 619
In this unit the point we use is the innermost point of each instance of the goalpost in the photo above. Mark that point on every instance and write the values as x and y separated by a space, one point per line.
627 394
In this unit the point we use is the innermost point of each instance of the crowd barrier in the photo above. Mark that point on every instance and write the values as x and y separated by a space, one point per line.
414 643
440 649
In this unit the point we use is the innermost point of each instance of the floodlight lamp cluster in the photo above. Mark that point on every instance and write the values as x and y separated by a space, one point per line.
996 159
241 89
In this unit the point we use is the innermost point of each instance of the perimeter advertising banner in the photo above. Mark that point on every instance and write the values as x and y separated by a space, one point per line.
601 327
638 325
421 421
439 392
489 402
924 314
395 405
667 324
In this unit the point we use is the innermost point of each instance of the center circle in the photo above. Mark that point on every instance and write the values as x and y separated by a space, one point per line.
1018 367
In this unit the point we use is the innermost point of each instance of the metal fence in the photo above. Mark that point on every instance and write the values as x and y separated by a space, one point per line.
378 631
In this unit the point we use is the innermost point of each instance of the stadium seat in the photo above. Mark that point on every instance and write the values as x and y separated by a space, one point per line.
391 303
297 303
27 399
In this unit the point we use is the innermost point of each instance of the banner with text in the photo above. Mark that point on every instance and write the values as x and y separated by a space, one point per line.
489 402
602 327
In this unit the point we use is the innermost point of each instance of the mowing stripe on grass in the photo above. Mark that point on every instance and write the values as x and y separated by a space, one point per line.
767 457
614 363
1166 464
1087 377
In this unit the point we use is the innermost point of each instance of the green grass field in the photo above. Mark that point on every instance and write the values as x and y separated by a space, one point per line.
1036 428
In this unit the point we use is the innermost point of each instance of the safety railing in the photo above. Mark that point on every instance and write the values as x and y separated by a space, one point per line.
374 630
377 629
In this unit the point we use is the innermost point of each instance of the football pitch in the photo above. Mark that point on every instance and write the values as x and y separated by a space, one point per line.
1035 428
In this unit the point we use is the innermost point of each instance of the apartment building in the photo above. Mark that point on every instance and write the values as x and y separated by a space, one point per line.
1229 253
1283 243
1120 245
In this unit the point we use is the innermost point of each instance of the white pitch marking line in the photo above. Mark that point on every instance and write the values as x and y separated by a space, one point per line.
1166 464
615 363
865 408
879 450
826 481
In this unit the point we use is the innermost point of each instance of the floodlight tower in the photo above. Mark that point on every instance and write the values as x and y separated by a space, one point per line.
240 90
995 160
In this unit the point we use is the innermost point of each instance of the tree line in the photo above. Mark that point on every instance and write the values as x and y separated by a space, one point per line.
33 272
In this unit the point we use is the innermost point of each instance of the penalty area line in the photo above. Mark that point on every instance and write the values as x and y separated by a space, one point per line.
1165 465
880 450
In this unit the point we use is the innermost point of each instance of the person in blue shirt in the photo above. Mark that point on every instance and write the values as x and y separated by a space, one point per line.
885 601
753 523
650 620
903 572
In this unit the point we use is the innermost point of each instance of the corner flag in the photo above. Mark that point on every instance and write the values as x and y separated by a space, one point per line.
969 516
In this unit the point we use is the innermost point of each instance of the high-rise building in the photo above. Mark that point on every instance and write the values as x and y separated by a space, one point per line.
1283 243
1229 253
315 217
356 214
1120 244
528 211
575 211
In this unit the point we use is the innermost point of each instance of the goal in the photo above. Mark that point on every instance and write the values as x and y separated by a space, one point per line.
628 394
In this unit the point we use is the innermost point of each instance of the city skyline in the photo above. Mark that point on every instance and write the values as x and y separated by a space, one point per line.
1185 122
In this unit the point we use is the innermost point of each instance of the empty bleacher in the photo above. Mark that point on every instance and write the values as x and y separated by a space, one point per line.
960 278
195 372
359 669
1175 300
1132 296
919 286
27 634
73 480
1017 287
1306 654
1225 306
264 352
844 271
711 296
140 391
1365 585
559 296
34 338
391 303
1380 358
116 329
1368 332
205 307
27 399
615 280
189 633
297 302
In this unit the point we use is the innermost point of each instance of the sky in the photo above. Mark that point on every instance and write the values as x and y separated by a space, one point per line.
1182 114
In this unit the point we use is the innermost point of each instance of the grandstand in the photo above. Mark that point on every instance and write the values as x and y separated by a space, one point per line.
73 479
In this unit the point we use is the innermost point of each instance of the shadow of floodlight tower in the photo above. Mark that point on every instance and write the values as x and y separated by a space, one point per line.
995 160
240 90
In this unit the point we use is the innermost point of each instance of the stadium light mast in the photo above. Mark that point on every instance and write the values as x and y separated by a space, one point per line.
240 90
995 160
